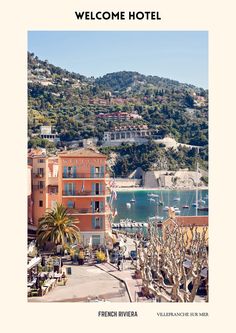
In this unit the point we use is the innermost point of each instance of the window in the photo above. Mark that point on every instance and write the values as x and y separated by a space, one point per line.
96 206
40 203
97 224
40 184
96 240
97 188
122 135
70 204
40 161
112 137
40 171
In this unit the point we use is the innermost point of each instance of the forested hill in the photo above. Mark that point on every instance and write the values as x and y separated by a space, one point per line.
71 103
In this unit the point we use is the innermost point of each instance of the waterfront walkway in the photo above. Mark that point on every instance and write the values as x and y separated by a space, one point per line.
87 284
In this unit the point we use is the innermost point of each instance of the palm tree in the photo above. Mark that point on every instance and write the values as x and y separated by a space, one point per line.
58 227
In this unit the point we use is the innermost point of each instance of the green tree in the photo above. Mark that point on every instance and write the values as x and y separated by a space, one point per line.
58 227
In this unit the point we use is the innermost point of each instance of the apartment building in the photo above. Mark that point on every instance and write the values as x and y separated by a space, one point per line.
82 188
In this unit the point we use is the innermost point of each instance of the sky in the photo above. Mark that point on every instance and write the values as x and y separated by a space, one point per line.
177 55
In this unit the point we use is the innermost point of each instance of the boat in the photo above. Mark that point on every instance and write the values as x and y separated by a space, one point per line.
133 199
152 199
153 195
185 206
166 208
155 218
177 210
176 199
128 204
161 201
203 209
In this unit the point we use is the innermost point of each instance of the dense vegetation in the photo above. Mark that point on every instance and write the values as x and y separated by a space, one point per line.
71 102
153 157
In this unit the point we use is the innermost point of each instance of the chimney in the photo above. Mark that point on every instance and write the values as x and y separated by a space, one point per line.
171 213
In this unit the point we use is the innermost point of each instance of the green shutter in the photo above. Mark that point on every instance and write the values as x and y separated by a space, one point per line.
64 171
93 188
66 188
101 222
93 207
93 222
92 171
100 190
101 205
73 189
74 171
102 171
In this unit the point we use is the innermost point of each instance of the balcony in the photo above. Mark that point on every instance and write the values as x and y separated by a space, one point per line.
83 175
84 193
53 181
79 211
38 175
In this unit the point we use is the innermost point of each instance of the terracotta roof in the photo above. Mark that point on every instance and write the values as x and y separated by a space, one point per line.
36 152
192 220
81 152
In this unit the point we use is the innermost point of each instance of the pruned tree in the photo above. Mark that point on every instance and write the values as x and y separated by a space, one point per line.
172 265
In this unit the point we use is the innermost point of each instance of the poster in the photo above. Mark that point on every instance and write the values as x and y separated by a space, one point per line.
21 18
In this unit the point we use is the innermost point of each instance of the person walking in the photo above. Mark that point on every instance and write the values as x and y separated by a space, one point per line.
118 264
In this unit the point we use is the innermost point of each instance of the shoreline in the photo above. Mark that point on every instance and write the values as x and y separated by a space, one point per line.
136 189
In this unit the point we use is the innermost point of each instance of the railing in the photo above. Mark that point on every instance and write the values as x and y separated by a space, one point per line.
38 187
85 210
38 175
83 175
84 193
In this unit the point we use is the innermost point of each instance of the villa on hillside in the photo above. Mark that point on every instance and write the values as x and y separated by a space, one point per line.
134 134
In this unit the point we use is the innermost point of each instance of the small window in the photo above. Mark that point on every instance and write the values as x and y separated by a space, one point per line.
40 203
41 161
70 204
95 239
40 184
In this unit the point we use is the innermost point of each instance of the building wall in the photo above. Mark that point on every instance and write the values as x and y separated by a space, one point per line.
78 192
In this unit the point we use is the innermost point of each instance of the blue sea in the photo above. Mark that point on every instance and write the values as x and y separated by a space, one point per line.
143 207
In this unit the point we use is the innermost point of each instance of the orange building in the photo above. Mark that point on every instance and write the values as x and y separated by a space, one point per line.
83 190
186 222
77 179
44 182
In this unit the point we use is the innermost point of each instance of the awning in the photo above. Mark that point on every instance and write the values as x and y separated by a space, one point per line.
34 262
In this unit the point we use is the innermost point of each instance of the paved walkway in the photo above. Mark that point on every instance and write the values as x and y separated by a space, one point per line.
126 275
87 283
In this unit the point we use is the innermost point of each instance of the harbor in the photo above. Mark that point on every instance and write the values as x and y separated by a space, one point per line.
140 206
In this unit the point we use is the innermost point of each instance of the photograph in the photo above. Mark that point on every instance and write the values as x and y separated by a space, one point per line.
117 166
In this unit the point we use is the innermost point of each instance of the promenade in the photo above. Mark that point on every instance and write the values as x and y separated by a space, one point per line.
85 284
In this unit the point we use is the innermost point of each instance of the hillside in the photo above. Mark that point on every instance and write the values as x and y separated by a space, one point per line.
71 103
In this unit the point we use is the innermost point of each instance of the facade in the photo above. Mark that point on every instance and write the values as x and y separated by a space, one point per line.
186 222
82 189
133 134
39 162
119 116
78 180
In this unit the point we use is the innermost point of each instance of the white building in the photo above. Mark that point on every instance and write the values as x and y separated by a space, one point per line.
134 134
46 133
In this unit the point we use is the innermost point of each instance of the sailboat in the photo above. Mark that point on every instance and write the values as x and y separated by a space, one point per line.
201 204
161 201
133 199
